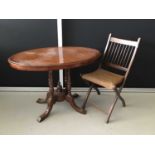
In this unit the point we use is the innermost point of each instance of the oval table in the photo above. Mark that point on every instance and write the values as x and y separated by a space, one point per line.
50 59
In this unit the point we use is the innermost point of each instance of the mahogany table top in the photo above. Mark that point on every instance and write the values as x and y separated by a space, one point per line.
53 58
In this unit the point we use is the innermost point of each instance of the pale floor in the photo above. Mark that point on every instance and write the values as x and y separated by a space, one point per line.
18 113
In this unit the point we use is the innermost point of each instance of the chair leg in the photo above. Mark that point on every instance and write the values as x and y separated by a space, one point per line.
85 102
120 97
97 90
111 110
113 105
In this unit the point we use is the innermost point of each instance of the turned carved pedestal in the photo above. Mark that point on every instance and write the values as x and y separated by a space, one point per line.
59 94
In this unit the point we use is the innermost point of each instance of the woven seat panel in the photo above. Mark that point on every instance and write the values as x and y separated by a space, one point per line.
104 78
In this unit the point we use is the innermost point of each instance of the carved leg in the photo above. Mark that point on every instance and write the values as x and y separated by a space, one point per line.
42 100
50 103
71 101
69 98
66 79
51 99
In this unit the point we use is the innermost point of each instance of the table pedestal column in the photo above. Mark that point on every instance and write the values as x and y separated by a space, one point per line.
59 94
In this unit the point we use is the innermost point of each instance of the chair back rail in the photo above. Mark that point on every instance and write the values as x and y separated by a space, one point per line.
120 53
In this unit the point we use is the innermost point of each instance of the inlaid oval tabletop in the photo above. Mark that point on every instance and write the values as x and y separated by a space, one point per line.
53 58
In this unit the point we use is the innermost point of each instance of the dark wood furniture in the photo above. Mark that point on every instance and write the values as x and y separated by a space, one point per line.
114 69
50 59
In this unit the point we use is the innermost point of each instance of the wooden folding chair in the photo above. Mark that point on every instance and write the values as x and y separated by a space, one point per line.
113 69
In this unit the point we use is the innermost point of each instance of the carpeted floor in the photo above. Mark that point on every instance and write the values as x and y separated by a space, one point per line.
19 111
